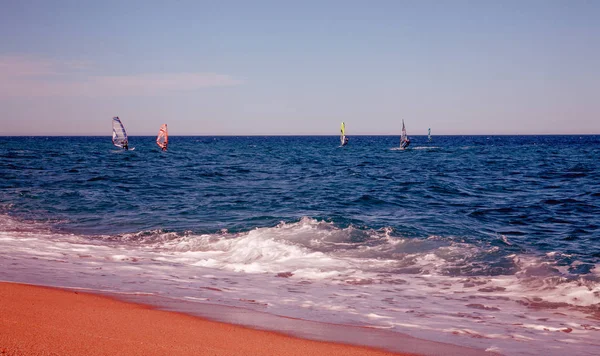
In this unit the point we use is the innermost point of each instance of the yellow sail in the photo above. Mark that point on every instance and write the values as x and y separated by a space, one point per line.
343 139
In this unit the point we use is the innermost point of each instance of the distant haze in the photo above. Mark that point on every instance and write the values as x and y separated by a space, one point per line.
300 67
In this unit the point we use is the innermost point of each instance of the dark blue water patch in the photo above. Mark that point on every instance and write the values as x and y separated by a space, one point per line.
99 178
559 201
541 192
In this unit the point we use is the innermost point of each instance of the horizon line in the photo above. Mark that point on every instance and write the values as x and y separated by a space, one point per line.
304 135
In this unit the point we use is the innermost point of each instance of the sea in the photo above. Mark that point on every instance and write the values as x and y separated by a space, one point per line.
488 242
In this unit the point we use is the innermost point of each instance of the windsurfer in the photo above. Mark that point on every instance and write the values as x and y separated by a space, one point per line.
405 143
125 145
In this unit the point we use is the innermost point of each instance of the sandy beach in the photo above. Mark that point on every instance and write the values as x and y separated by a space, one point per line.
46 321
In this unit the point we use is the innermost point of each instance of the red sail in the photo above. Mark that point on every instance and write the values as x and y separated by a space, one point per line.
162 140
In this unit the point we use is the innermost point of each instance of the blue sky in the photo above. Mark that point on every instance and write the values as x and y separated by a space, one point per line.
290 67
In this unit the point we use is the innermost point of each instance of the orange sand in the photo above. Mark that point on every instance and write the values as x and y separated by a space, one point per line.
47 321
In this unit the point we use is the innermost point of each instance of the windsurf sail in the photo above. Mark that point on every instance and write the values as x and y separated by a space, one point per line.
162 140
343 139
429 134
119 136
404 140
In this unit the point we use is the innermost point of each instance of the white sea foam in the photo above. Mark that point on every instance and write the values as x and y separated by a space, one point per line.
425 147
314 270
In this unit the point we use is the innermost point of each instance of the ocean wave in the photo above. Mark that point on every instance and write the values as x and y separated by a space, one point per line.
320 250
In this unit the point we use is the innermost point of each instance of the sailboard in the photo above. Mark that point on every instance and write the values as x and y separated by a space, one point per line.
343 138
429 134
404 140
119 135
162 140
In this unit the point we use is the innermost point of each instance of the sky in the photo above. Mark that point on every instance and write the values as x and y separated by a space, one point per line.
300 67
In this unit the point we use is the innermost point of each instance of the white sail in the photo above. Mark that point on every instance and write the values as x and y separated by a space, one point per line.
119 136
404 141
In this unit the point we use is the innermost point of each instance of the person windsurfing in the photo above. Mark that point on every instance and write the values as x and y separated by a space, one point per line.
162 140
343 138
405 143
119 136
404 140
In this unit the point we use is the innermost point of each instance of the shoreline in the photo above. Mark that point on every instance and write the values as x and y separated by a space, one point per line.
42 319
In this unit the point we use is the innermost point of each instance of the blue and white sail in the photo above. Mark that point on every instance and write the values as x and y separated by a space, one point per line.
119 136
429 134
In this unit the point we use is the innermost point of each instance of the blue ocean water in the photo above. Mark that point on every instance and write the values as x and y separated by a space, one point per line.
541 192
471 208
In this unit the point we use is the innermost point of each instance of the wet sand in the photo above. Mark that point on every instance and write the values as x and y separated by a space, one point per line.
47 321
